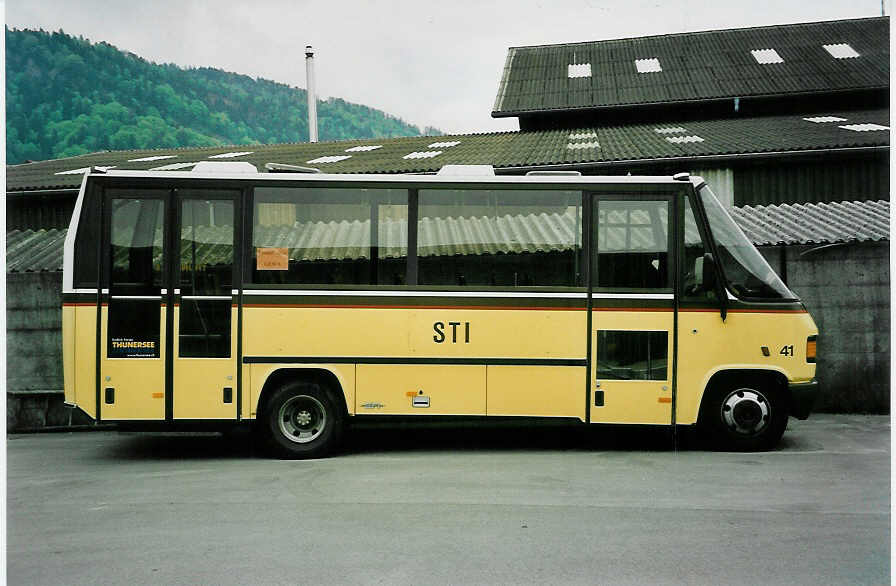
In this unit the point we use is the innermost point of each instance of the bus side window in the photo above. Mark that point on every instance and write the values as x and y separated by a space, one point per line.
329 236
693 278
206 269
632 244
499 238
136 246
87 240
632 355
136 235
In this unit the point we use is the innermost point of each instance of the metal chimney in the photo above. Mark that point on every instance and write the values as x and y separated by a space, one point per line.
312 94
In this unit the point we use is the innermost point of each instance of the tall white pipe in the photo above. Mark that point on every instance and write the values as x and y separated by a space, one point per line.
312 94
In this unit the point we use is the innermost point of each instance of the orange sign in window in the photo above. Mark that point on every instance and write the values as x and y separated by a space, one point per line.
272 259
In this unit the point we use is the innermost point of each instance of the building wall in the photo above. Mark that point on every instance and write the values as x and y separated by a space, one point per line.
825 179
39 211
846 289
721 181
828 177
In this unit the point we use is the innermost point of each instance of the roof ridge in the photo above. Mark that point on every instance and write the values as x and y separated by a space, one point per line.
272 144
64 158
703 32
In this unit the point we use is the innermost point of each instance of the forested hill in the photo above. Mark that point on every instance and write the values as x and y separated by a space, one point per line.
66 96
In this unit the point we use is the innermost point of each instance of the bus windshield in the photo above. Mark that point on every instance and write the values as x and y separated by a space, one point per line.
747 272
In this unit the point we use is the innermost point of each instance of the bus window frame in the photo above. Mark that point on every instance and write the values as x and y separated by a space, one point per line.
507 187
246 186
413 190
105 252
642 192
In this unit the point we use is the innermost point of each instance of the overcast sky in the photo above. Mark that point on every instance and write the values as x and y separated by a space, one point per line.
433 63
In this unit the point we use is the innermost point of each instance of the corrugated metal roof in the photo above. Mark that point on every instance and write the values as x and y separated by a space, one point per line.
41 250
34 250
815 223
696 66
606 145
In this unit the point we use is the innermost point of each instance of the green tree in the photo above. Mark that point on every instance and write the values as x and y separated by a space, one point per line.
67 96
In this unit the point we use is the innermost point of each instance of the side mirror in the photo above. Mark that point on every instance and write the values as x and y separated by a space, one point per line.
712 282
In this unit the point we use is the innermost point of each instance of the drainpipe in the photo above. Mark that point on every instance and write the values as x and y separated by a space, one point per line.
312 94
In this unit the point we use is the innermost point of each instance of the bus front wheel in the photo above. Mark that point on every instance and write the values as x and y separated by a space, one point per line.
302 421
744 416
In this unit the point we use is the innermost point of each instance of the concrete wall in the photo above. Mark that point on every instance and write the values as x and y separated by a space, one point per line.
34 331
846 288
34 352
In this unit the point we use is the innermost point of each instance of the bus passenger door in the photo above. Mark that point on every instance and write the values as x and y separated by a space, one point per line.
205 315
133 308
632 307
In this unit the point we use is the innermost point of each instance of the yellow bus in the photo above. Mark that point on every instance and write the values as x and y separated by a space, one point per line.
300 302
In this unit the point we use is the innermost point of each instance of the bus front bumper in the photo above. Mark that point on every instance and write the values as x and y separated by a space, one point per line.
802 397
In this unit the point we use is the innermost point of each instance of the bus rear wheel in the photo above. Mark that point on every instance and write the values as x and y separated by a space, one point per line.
744 417
301 420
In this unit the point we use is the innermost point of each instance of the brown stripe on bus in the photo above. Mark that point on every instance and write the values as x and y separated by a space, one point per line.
633 309
502 307
741 310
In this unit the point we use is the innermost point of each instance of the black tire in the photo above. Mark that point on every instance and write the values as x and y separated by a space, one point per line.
747 415
301 420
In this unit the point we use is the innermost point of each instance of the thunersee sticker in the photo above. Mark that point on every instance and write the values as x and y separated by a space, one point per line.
130 348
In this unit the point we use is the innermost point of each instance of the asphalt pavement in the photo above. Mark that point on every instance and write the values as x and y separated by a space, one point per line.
453 505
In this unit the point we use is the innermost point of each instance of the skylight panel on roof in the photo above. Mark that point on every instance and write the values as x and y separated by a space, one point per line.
83 170
174 166
422 155
364 148
440 145
766 56
670 130
154 158
684 139
590 138
820 119
330 159
864 127
841 51
230 155
80 171
579 70
651 65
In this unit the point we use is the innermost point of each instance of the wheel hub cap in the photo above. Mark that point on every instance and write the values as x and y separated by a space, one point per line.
746 412
302 419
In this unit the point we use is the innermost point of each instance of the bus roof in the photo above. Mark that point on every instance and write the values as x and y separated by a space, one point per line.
401 178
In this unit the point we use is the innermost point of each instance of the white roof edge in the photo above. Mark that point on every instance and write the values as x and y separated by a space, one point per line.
393 178
68 247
